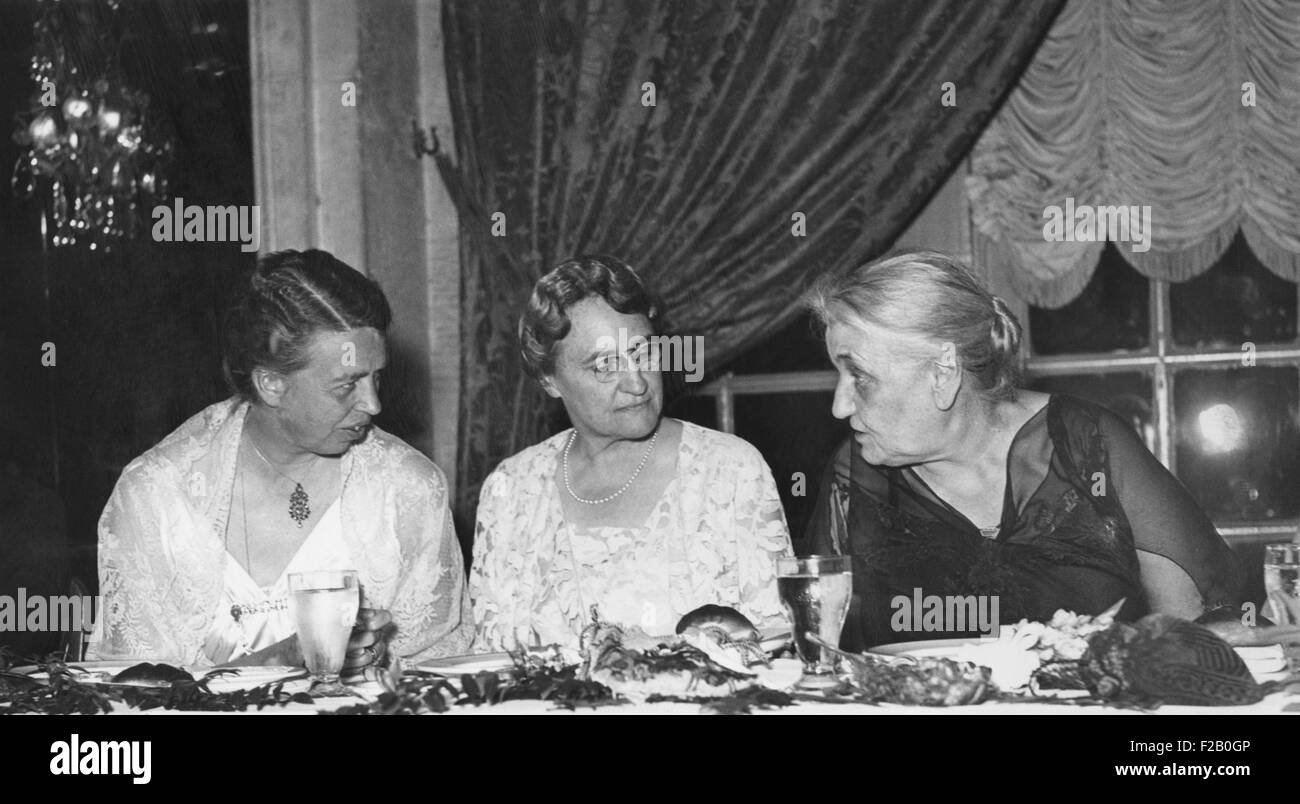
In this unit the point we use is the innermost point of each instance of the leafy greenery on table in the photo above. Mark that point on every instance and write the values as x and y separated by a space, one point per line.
66 692
547 677
419 693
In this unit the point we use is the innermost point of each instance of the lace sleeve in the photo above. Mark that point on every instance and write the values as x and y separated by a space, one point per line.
762 536
431 603
491 577
1165 518
145 613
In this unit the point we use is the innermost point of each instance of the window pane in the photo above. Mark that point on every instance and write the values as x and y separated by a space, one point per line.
697 408
796 348
1127 394
1111 313
795 433
1237 300
1237 440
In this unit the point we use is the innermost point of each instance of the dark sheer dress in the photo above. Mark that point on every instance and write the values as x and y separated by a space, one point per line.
1083 496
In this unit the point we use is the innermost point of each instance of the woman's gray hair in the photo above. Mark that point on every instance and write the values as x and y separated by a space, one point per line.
934 296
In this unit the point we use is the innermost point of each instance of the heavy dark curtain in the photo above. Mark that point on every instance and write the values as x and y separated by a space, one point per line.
762 110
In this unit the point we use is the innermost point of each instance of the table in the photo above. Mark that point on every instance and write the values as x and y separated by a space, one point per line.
1282 702
783 674
1272 705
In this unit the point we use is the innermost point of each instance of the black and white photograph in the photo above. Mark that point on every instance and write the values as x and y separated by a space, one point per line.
549 358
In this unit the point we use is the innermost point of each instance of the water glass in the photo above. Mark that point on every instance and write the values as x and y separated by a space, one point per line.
1282 582
816 592
324 607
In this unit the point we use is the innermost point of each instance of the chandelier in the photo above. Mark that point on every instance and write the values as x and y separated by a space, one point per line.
93 140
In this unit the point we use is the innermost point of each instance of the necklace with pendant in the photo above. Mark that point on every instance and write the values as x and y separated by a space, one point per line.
299 500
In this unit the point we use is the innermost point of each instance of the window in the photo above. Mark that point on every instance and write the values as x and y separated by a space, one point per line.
1207 372
777 397
1206 369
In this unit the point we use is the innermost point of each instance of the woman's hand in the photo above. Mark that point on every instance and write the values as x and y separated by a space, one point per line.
368 647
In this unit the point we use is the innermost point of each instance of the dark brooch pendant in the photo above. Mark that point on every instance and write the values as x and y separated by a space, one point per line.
298 509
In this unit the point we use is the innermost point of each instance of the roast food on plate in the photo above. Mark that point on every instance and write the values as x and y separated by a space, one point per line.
918 681
726 635
930 682
708 658
1159 659
1027 654
1167 660
721 620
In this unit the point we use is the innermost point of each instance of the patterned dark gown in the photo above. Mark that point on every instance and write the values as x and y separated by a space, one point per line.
1083 496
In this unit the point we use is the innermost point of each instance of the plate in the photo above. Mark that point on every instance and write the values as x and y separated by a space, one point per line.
930 648
473 663
295 679
774 639
87 672
1263 660
242 678
782 675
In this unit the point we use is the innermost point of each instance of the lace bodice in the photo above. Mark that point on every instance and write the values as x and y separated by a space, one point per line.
253 617
162 558
713 537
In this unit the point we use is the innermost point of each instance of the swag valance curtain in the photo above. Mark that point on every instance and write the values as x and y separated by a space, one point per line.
1191 108
832 110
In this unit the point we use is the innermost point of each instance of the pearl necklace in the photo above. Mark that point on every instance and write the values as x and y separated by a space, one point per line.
569 445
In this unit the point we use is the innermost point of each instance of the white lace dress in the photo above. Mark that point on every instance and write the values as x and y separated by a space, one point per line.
162 557
713 537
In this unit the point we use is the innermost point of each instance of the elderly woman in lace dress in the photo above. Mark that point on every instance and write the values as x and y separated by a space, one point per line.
641 516
290 474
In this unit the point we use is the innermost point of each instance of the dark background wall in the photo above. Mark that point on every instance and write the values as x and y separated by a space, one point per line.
136 331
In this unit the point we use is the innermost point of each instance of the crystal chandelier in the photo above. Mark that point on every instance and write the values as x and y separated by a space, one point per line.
103 153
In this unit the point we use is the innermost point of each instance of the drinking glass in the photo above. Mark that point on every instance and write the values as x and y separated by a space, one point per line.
324 608
1282 582
816 591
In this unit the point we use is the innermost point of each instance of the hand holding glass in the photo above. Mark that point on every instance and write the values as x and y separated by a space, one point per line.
324 607
816 592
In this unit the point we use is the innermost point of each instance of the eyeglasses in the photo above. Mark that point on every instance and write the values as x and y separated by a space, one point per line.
608 368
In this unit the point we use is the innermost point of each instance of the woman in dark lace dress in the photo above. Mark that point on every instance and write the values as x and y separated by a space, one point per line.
958 483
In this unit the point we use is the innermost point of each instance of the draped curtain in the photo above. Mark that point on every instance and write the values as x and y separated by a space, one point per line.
766 117
1189 107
